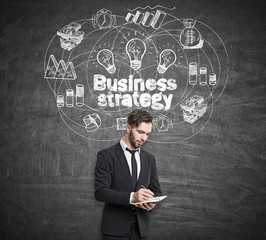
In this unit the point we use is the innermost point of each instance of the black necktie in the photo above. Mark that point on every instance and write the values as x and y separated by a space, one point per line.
133 166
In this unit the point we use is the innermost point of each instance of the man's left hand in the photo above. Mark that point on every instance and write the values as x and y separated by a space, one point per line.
147 206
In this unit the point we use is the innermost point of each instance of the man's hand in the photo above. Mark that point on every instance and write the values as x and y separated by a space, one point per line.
147 206
142 195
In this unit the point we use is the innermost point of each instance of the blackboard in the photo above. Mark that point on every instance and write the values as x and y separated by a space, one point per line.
211 163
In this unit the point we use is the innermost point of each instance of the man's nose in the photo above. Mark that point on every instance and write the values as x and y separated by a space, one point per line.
144 137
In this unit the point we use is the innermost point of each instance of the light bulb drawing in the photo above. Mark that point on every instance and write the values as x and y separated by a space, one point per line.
135 49
167 59
106 58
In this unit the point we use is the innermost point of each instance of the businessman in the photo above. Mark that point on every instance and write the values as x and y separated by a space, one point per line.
126 174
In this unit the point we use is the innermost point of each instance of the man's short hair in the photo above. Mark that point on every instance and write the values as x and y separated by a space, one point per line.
136 117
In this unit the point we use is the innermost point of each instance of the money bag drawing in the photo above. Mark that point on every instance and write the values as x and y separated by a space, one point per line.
190 37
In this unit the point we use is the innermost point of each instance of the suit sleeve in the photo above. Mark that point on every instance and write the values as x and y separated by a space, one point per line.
103 178
154 181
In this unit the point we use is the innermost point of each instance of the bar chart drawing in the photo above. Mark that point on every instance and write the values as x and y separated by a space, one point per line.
147 19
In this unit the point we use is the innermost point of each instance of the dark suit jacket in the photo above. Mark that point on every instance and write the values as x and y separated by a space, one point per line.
113 185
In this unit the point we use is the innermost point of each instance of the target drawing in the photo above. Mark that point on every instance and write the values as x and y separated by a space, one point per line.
100 69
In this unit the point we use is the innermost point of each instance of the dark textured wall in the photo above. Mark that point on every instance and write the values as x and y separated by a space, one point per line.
215 181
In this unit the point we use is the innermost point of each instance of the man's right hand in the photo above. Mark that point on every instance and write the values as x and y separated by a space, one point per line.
142 195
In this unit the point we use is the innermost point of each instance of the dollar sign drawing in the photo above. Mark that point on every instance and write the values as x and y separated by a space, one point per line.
190 38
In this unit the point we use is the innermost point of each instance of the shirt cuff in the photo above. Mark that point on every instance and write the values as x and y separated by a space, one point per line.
130 197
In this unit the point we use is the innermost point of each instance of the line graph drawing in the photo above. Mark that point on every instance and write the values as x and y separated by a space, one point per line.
100 69
55 70
157 6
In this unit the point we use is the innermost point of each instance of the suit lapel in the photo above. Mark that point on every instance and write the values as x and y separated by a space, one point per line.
121 157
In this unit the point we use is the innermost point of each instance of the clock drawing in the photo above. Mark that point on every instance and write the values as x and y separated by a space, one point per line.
104 19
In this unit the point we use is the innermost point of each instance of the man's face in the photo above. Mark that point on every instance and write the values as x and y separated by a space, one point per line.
138 135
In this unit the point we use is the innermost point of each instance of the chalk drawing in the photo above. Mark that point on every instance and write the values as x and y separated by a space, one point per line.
162 123
100 69
106 58
135 49
55 70
103 19
92 122
121 123
69 35
166 59
190 37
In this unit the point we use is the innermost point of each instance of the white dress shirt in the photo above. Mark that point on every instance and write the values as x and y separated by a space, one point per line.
128 156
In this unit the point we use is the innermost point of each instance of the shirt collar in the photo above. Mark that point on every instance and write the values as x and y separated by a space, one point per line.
124 146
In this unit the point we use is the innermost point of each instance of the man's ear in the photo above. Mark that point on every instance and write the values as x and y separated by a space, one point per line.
128 128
